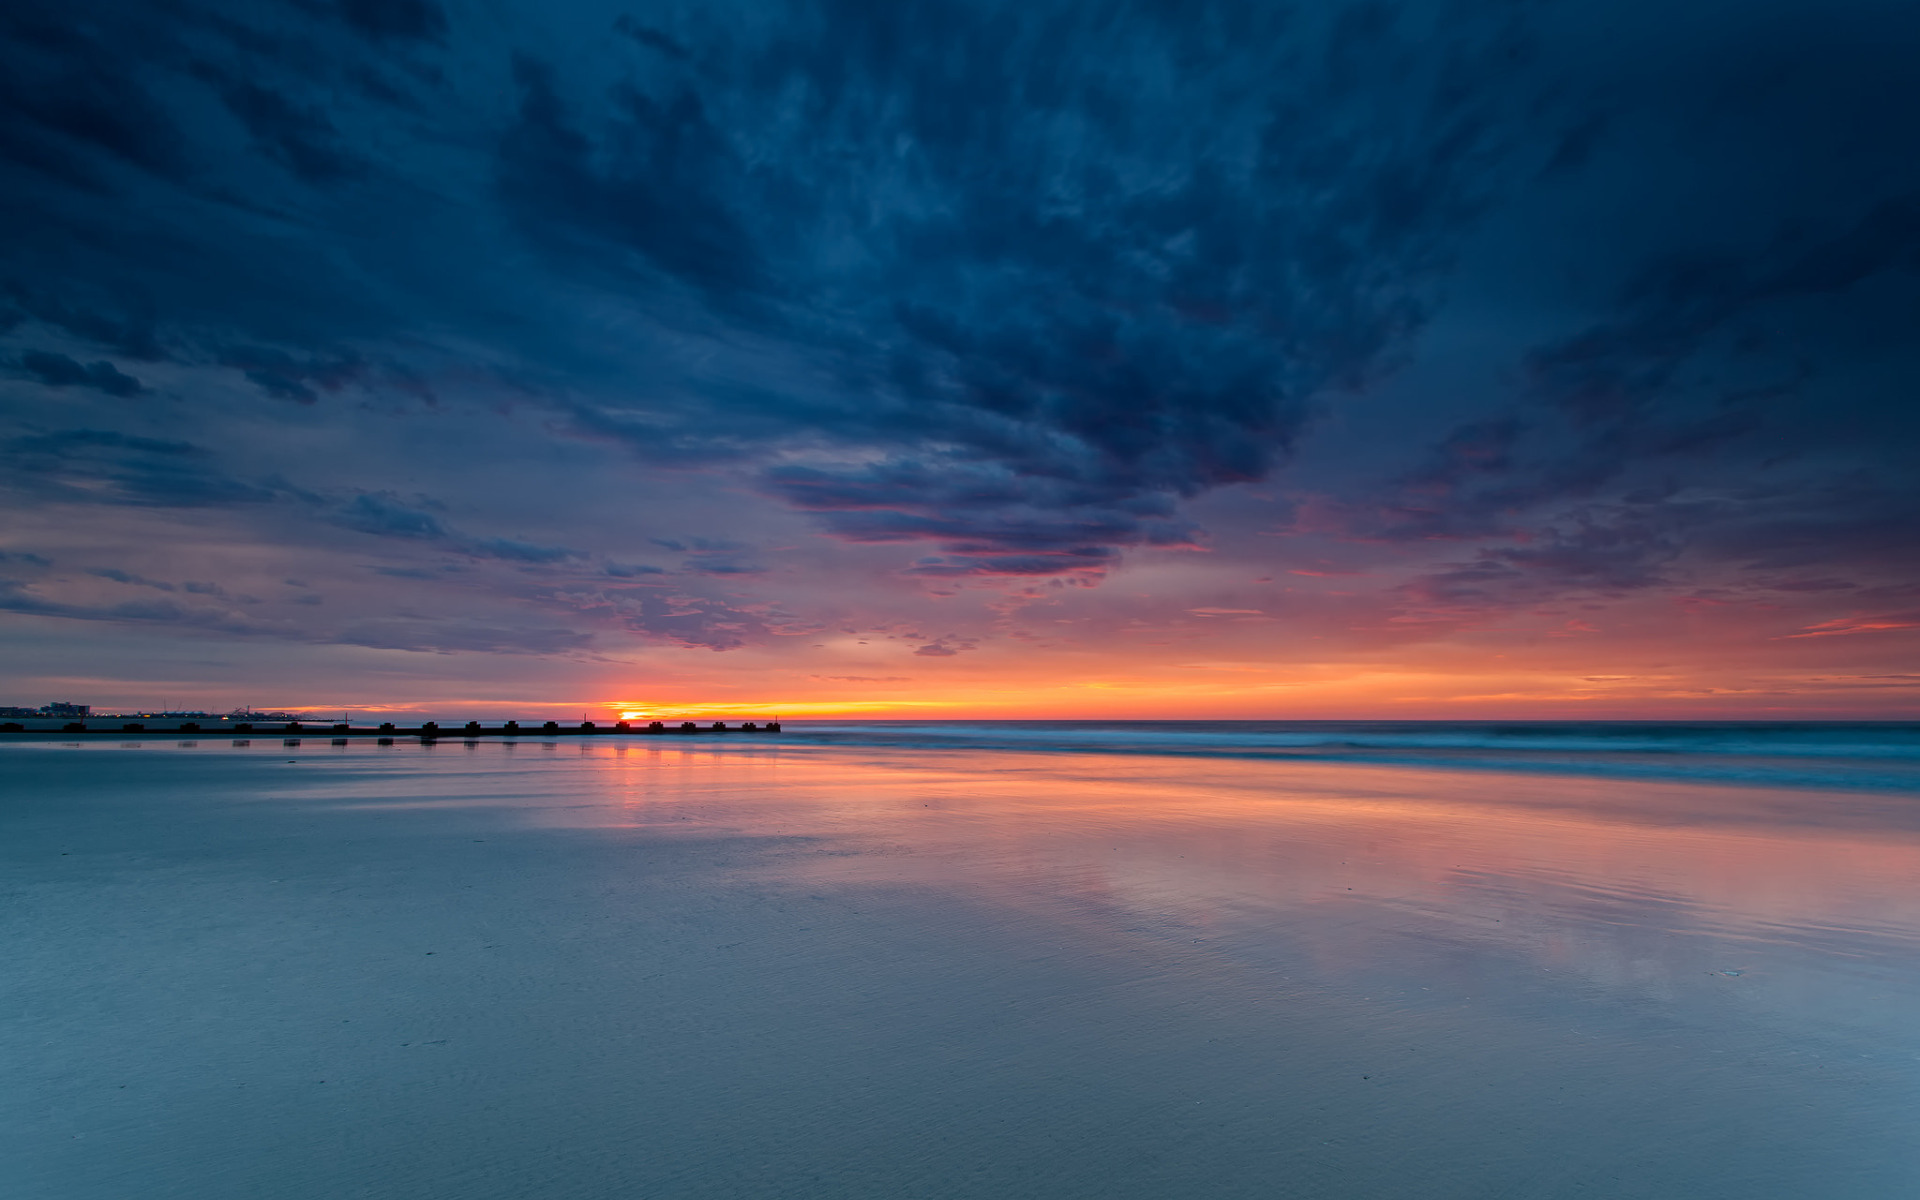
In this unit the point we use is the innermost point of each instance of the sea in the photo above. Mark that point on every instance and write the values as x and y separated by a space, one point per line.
1878 754
967 960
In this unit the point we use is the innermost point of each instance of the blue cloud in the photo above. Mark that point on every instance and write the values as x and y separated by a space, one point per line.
57 370
119 576
383 514
982 238
516 551
95 466
632 570
1003 289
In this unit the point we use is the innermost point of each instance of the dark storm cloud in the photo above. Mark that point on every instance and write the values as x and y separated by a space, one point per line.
1749 405
679 618
1738 541
70 107
1743 406
1052 271
1108 259
987 518
57 370
1680 307
126 577
93 466
417 20
701 556
1606 555
513 550
1719 353
299 137
17 598
422 634
666 192
1007 285
1618 555
653 39
285 377
384 514
127 328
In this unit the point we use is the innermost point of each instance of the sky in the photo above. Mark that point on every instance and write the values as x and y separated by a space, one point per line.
933 358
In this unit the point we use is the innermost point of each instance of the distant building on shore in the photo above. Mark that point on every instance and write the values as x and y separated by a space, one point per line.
59 708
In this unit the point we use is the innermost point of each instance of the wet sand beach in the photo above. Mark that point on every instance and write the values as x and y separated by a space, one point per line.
590 970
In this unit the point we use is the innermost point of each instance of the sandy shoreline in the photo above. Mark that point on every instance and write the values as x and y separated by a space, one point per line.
588 973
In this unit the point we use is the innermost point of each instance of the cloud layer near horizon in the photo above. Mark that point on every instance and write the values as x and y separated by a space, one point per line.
1343 333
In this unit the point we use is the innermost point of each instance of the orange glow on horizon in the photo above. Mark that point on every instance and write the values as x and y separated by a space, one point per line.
1226 690
1248 671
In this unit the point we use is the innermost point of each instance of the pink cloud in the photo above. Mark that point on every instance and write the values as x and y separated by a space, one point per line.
1845 625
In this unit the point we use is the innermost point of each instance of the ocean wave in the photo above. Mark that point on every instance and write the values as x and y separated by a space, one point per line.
1878 755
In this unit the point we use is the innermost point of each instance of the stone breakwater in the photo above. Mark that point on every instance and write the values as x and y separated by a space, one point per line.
426 731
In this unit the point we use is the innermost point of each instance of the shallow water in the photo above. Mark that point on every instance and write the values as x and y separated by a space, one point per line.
588 970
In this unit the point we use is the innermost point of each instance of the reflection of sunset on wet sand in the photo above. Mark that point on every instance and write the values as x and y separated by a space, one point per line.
1665 891
490 971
